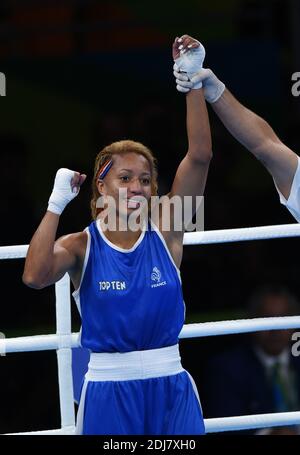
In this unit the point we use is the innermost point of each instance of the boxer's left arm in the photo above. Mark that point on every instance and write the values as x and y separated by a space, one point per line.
192 172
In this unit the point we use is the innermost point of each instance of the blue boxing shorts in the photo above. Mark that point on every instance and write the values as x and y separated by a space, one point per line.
140 392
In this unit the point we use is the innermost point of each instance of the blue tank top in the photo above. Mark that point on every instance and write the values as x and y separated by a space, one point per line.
129 300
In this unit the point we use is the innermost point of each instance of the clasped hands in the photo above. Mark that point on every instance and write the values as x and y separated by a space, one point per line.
189 55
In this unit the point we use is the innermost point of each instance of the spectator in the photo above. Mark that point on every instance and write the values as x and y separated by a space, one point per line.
261 375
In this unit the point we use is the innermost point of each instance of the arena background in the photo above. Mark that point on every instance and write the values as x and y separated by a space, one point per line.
81 74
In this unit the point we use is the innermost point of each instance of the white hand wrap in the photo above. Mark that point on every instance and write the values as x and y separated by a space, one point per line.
191 62
184 85
213 88
62 192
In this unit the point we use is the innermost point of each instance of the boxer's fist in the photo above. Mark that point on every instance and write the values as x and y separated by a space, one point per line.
66 186
189 55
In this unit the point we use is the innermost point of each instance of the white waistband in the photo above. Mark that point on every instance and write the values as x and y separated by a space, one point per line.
123 366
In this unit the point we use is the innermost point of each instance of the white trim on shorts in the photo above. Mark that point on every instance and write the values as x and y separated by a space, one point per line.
125 366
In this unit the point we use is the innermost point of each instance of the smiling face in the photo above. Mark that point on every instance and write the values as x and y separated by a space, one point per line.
128 182
138 155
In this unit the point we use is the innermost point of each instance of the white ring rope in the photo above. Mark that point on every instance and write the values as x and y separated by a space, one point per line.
205 329
242 234
217 425
60 431
196 238
200 329
13 252
64 340
37 343
279 419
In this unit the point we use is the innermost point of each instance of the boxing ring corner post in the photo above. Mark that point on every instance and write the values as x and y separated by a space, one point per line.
63 342
64 351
